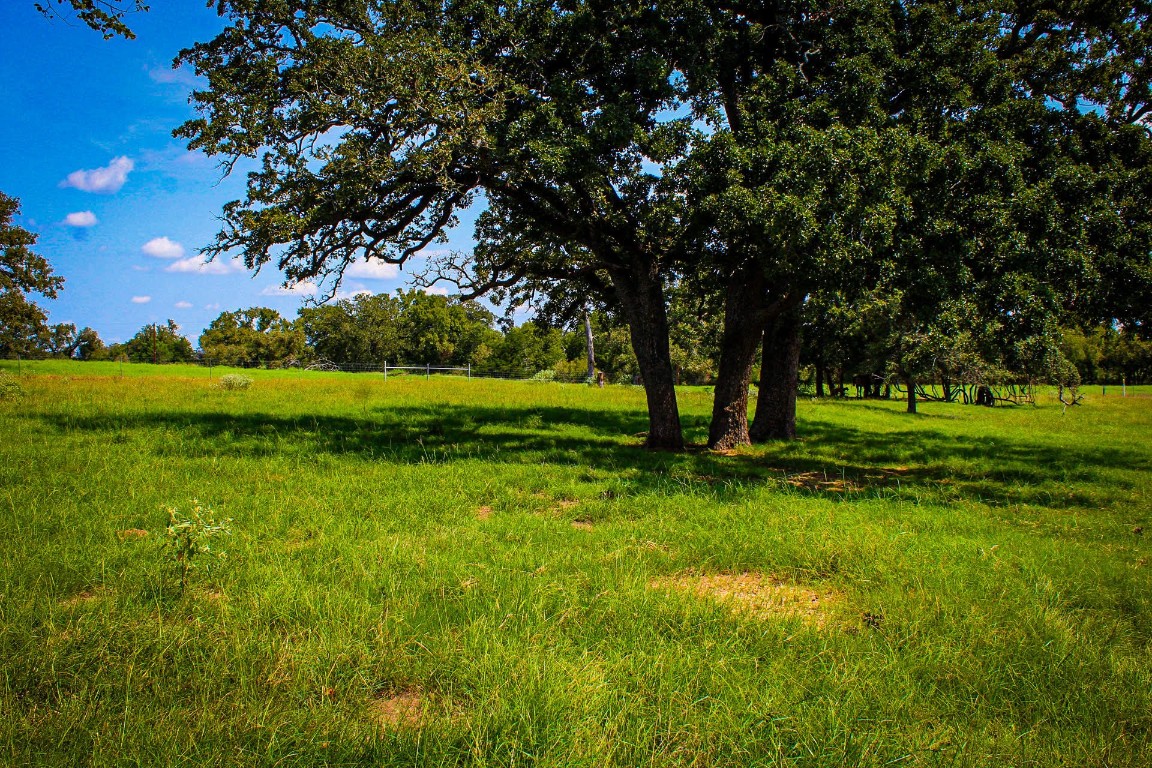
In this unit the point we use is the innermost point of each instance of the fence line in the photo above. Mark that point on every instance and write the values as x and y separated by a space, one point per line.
386 368
1119 389
323 365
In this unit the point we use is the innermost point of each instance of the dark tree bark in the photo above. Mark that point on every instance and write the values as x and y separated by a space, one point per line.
779 376
911 384
743 326
641 295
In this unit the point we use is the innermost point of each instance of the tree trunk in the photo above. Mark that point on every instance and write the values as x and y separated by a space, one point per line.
641 296
779 376
589 346
743 326
911 384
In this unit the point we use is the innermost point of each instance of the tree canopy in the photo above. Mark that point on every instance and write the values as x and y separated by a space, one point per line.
250 337
155 343
23 325
978 171
103 16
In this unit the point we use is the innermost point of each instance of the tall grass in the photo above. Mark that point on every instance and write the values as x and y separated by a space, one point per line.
453 572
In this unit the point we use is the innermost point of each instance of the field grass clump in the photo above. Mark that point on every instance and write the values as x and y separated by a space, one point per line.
451 572
10 388
234 381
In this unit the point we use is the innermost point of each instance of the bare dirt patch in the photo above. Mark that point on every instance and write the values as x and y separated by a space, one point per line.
130 534
81 598
763 596
820 481
582 525
483 513
399 710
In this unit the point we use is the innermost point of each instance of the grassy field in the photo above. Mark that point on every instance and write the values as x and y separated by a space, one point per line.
450 572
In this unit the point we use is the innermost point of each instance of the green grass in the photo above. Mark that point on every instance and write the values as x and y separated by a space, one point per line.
416 537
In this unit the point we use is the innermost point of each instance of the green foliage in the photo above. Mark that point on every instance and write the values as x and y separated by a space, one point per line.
188 539
24 327
103 16
571 370
89 346
614 354
1106 355
410 328
256 336
234 381
21 269
527 348
156 343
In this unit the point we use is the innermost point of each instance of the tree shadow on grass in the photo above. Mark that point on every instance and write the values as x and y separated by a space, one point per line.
995 470
833 460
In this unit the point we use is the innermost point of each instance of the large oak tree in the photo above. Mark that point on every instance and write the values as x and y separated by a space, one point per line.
775 149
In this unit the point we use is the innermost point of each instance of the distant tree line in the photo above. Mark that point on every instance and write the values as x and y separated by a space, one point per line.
842 354
365 331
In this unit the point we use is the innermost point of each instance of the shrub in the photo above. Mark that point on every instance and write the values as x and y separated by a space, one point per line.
189 535
546 375
233 381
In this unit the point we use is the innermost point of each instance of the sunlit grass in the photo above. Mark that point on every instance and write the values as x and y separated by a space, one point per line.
494 552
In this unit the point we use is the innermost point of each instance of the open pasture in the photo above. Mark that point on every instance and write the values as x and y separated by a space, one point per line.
452 572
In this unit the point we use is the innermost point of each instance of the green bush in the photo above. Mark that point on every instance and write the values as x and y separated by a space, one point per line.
234 381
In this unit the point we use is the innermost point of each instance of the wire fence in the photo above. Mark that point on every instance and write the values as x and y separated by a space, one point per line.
388 370
385 370
426 370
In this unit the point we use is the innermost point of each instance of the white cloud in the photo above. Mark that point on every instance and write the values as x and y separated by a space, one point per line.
163 248
106 180
295 289
351 293
81 219
183 305
141 299
199 264
177 162
372 269
181 75
212 306
437 290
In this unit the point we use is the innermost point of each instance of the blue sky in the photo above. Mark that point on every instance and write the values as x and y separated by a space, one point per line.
120 207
